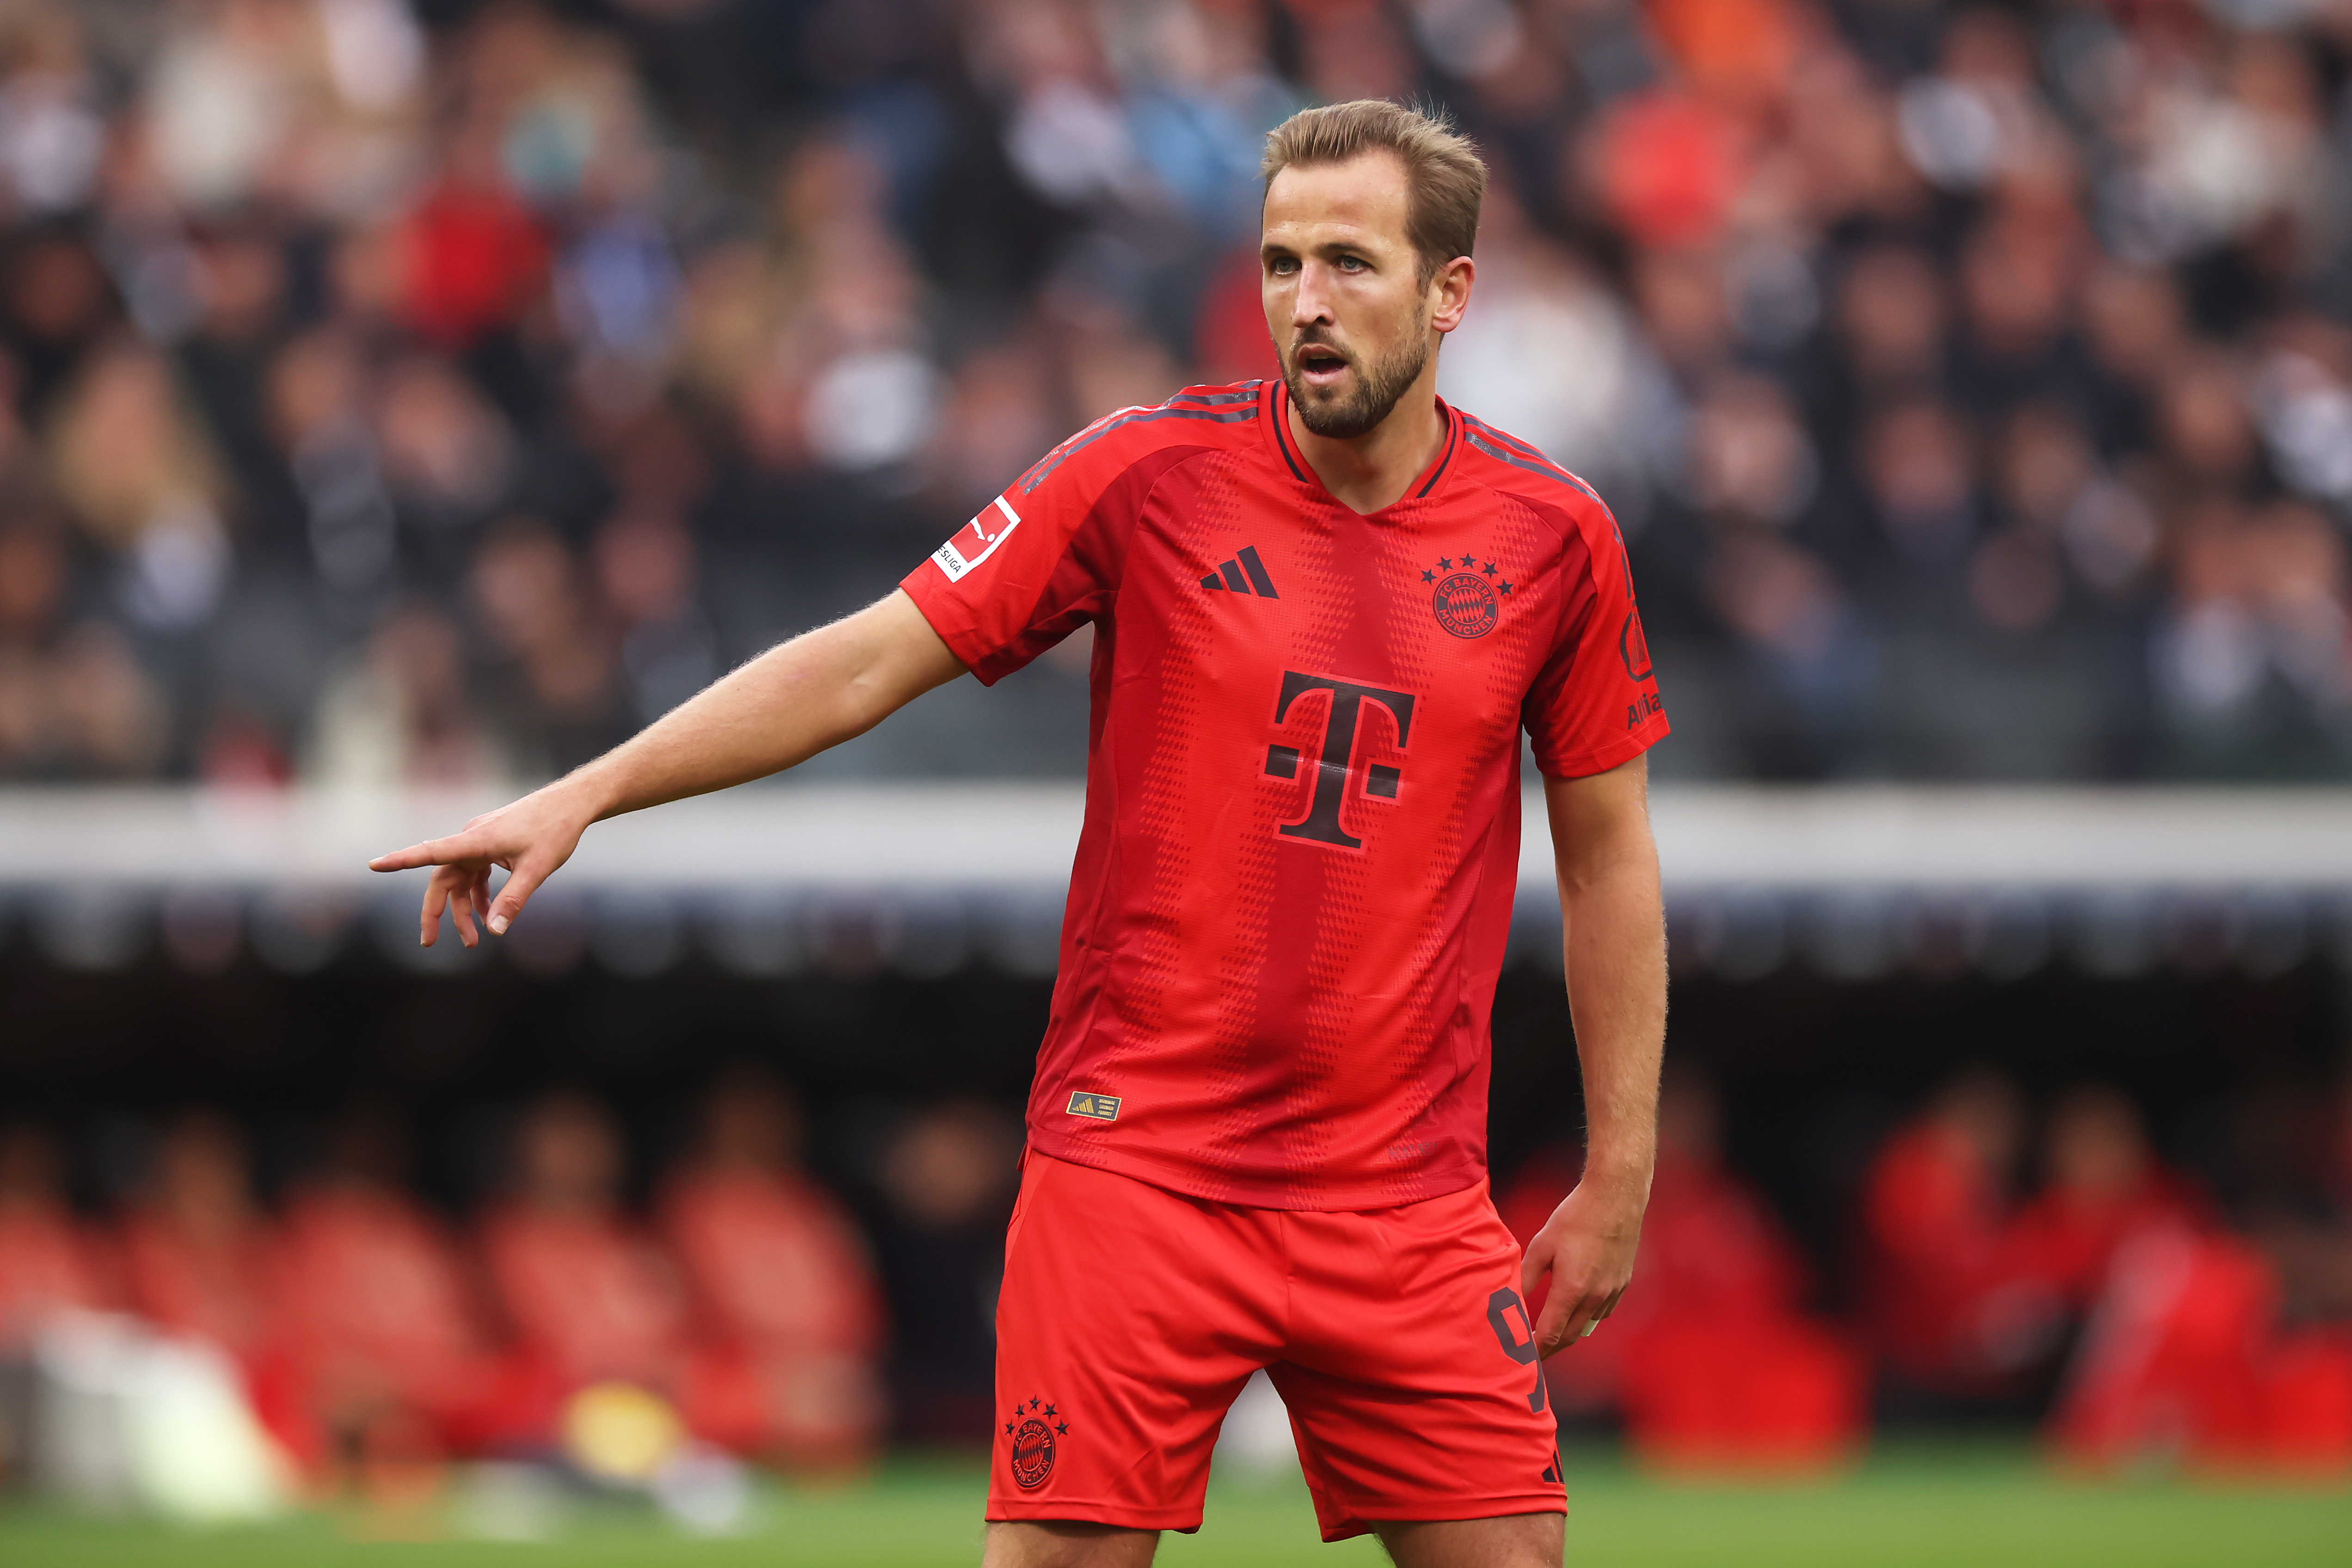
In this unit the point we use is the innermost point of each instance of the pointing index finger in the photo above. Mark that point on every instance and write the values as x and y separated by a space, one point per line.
432 852
406 860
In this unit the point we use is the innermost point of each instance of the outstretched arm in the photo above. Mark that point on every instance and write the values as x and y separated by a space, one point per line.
1613 923
784 707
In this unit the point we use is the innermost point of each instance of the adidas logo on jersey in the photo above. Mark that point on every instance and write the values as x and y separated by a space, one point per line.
1245 574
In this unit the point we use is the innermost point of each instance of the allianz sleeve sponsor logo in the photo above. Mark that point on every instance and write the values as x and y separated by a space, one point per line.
957 557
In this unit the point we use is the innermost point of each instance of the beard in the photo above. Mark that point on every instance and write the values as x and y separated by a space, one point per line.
1345 417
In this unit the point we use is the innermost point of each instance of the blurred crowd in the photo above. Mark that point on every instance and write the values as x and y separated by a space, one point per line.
2001 1262
737 1305
421 391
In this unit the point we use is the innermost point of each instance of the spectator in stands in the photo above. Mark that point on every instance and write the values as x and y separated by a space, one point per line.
591 1296
2100 1185
197 1248
581 1284
2291 1188
73 701
2338 1187
1952 1312
554 660
403 715
2185 1350
644 568
780 1277
198 1258
2170 1327
337 324
50 1262
131 459
1712 1356
382 1316
947 1177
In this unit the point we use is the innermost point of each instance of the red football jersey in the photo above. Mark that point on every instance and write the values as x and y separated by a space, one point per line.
1293 884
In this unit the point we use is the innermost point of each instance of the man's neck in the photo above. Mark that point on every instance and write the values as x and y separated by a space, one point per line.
1367 472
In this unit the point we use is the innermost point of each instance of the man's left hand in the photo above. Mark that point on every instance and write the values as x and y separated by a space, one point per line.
1586 1247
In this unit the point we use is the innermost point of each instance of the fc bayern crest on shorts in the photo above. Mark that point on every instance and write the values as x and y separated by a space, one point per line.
1034 1428
1469 596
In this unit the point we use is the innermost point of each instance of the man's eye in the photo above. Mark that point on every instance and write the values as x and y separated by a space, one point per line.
1351 264
1282 267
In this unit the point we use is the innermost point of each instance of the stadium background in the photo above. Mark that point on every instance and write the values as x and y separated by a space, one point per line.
405 399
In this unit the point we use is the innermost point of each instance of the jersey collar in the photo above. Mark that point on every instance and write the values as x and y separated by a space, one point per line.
1424 484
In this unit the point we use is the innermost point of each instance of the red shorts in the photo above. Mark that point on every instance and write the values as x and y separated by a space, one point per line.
1131 1316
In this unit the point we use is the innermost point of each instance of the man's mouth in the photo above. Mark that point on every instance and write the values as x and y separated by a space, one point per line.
1321 365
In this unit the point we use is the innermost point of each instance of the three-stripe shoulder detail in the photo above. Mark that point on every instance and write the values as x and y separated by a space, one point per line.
1216 396
1519 455
1234 406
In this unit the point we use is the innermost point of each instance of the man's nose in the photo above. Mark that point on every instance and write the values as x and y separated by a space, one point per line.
1311 303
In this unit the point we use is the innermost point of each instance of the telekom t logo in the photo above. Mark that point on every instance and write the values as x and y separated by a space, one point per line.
1331 769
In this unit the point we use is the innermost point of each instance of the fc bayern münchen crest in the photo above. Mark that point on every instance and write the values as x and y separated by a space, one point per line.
1467 602
1032 1430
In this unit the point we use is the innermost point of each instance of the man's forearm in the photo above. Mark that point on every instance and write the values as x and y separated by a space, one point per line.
1614 947
782 708
1613 939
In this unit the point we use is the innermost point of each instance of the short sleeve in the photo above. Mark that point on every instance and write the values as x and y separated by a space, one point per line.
1034 565
1594 704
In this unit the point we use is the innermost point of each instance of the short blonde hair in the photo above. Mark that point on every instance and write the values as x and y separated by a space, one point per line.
1445 180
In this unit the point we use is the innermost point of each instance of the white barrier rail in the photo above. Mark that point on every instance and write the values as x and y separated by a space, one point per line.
921 877
956 837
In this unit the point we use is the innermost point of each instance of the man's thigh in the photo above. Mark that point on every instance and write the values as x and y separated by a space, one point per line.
1410 1371
1514 1541
1128 1318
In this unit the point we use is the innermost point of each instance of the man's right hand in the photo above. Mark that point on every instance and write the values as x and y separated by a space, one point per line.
530 838
791 702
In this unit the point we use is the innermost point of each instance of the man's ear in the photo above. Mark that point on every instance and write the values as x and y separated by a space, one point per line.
1449 294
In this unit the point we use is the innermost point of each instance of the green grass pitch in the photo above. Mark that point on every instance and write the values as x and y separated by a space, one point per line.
1965 1506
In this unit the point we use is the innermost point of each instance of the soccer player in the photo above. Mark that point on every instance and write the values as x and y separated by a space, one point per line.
1325 607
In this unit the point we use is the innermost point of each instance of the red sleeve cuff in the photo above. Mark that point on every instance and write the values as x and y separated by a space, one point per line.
1601 758
924 585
